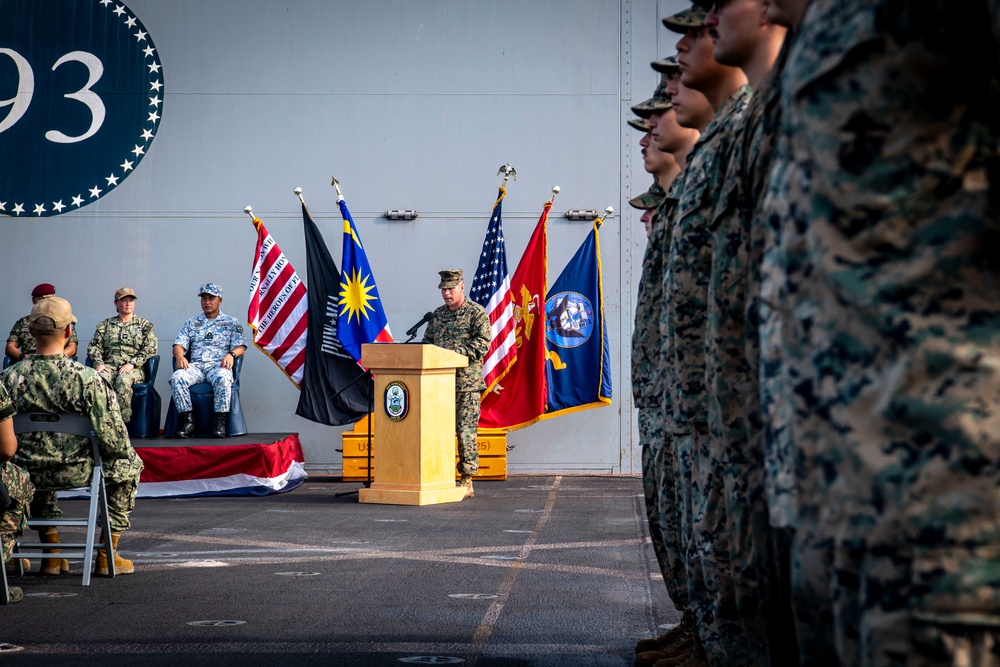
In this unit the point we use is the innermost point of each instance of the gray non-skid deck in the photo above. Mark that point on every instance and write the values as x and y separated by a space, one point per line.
535 570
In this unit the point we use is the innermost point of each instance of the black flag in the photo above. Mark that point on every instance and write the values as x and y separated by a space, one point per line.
328 397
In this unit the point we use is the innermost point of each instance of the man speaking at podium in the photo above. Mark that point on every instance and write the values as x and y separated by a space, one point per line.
462 325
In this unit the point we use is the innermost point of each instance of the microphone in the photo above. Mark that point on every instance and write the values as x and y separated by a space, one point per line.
412 331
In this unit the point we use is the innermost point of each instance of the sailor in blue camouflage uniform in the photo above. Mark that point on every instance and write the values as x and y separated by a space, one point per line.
205 350
685 292
891 189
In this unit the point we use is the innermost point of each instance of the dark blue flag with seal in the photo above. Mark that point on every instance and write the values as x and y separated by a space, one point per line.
335 389
576 339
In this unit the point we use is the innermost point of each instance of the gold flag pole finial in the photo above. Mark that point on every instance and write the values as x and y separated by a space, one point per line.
555 190
336 186
298 193
508 171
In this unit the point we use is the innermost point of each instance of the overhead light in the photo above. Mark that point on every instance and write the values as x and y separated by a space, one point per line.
401 214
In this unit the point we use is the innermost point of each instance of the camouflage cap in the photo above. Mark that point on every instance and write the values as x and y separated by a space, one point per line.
660 101
43 289
638 124
450 278
52 314
123 292
211 289
651 198
666 65
693 17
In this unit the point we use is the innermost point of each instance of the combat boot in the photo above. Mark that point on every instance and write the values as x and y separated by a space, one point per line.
694 658
219 422
466 482
122 566
679 649
656 643
51 566
185 424
16 595
11 566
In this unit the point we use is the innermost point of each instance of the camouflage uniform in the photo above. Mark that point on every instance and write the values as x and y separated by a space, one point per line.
19 334
207 342
732 377
683 326
465 330
19 488
116 343
56 383
892 284
648 392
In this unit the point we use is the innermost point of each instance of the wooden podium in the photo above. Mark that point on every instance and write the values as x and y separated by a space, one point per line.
415 421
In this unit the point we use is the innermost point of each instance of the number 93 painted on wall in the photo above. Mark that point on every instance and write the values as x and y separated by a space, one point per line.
81 97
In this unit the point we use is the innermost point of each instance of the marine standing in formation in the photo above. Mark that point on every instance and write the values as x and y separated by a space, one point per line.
842 496
462 325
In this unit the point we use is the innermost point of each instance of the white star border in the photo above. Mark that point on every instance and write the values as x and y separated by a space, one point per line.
153 64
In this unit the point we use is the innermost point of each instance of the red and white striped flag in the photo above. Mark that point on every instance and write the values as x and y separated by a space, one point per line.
491 290
278 312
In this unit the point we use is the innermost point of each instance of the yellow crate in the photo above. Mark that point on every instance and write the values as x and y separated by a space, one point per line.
492 445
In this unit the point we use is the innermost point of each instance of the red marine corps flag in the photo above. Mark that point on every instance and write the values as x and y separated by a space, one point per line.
518 399
278 312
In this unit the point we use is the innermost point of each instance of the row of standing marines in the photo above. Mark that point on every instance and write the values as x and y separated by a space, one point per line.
816 357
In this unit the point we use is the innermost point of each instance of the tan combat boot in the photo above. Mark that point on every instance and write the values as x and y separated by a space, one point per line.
466 482
679 648
657 643
11 566
122 566
51 567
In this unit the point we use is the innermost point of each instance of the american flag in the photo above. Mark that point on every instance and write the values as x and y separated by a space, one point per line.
491 290
278 312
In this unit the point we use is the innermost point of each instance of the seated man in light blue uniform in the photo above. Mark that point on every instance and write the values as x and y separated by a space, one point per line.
214 340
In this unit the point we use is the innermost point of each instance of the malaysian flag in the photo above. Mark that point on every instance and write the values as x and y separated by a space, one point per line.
278 312
491 290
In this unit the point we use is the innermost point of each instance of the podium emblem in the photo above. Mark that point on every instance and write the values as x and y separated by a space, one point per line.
396 400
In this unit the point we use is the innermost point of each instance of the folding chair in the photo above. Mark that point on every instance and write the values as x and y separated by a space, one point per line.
73 424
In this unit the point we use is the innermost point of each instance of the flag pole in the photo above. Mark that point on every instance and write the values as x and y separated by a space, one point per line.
367 373
600 221
555 191
248 209
298 193
508 171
